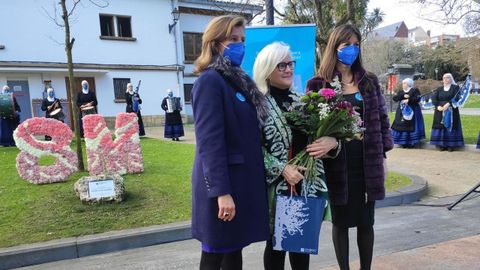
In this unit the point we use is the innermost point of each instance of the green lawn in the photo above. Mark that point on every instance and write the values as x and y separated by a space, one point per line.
470 126
162 194
396 181
473 102
32 213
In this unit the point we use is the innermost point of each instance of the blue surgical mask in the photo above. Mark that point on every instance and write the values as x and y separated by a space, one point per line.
235 52
51 94
348 55
85 86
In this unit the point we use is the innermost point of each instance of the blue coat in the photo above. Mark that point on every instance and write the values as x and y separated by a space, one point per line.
228 160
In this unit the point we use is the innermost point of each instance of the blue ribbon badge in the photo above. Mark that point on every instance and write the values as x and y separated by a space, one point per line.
240 97
358 96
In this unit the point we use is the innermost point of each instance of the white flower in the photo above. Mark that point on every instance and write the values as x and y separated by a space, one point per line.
324 110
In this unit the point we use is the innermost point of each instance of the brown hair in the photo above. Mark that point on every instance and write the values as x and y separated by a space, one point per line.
219 29
339 35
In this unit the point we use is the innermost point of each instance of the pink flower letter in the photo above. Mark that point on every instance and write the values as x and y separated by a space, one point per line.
31 149
107 156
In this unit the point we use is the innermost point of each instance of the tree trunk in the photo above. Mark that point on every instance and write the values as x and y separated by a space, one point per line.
350 12
269 11
72 105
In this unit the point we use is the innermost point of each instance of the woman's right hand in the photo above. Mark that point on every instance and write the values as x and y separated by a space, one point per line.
226 207
292 174
440 108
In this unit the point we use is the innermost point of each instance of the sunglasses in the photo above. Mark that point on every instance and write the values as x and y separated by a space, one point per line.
282 66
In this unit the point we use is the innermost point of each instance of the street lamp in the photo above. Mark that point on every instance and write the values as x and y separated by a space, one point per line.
436 74
176 16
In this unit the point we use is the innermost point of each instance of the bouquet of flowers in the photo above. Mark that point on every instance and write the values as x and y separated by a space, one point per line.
321 114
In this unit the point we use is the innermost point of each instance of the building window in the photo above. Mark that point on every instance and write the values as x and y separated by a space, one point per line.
119 88
106 26
124 26
192 43
187 92
115 27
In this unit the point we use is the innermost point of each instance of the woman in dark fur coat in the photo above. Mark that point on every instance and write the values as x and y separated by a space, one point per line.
355 178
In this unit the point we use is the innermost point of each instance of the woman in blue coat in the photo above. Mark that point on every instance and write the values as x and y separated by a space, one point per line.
229 193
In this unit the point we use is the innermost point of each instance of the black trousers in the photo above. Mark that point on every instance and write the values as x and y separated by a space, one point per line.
224 261
275 260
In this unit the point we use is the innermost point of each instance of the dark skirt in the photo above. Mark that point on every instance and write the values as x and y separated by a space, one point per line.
7 126
411 137
141 127
174 131
357 211
444 138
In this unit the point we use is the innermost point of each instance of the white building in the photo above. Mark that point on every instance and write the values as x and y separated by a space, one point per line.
127 41
418 37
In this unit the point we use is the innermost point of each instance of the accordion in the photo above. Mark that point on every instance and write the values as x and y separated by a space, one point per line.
173 104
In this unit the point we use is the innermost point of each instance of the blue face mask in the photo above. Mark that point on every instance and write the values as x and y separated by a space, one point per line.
235 52
85 87
348 55
51 94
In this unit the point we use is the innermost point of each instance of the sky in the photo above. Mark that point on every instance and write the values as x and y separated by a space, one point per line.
413 15
404 10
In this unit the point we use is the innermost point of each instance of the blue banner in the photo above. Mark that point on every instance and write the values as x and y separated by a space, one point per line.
301 39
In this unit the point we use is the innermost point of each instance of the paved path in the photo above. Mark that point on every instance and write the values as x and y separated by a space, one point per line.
463 111
419 234
447 173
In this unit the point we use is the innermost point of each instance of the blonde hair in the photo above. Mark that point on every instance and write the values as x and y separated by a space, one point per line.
266 62
218 30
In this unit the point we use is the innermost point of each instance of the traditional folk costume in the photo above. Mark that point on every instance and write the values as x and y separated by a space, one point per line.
50 106
441 136
407 131
8 125
173 119
83 98
133 100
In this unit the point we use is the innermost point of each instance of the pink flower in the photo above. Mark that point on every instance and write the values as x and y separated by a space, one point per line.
327 93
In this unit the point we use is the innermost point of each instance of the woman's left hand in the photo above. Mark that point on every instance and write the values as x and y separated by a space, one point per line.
321 146
445 107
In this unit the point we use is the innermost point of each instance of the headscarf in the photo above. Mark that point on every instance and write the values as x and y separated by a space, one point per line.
51 99
84 89
5 89
128 91
447 87
409 83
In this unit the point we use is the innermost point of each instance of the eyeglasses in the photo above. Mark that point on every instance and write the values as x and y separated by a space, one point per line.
282 66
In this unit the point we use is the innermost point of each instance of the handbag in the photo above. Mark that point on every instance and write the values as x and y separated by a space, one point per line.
298 220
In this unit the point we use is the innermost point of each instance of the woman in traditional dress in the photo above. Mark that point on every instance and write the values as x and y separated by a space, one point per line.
86 103
408 130
8 125
173 119
133 105
446 136
51 104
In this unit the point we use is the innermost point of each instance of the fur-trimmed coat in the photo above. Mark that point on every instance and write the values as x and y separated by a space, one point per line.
377 140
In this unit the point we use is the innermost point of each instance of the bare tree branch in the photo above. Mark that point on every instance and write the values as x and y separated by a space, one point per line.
54 18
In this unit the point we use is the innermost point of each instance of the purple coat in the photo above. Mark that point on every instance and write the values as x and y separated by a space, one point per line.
228 160
377 141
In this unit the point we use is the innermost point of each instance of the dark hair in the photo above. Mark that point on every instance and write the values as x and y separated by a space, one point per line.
339 35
